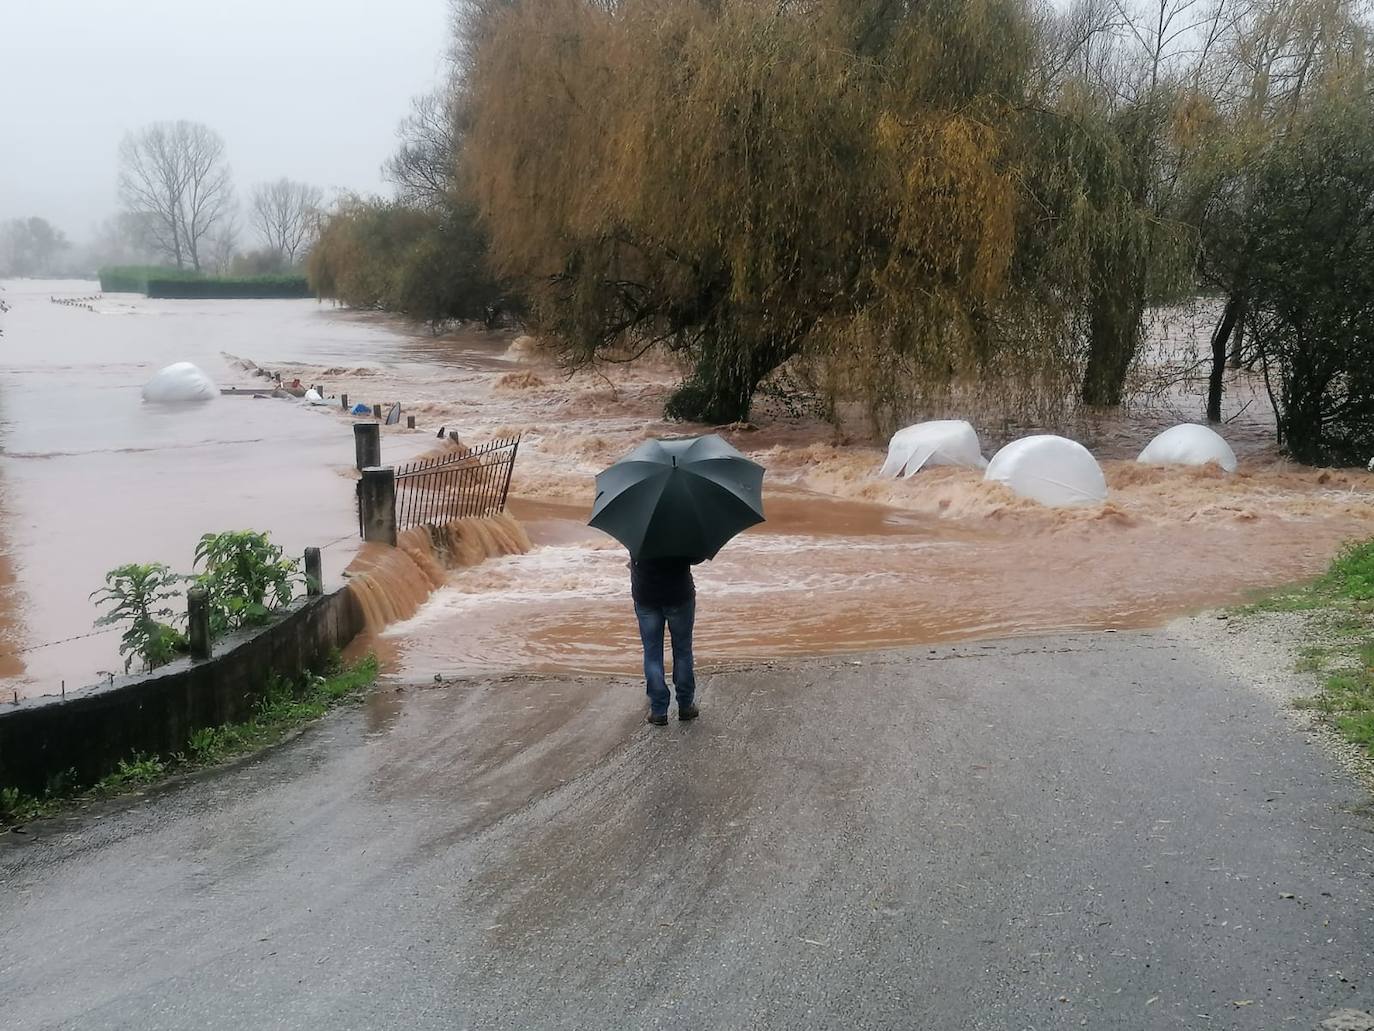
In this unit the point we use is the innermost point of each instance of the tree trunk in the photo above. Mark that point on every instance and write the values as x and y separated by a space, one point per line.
1220 337
721 387
1114 334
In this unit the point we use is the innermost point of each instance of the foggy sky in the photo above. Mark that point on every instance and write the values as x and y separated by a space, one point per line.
309 89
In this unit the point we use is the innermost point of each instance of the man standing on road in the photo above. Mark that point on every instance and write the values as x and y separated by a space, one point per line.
665 595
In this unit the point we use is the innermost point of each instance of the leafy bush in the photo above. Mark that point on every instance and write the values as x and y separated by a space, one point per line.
1311 307
246 577
426 263
137 594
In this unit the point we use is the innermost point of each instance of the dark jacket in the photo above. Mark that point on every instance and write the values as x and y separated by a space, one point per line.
662 582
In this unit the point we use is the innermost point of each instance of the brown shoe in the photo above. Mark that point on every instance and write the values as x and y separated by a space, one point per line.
688 712
658 719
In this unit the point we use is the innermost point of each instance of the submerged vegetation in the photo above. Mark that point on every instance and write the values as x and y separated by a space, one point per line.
893 202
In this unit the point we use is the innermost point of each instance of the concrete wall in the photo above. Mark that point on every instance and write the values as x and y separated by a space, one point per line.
90 730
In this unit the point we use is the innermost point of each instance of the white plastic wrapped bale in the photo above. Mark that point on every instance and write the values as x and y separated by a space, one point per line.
1189 444
1052 470
942 442
314 397
179 383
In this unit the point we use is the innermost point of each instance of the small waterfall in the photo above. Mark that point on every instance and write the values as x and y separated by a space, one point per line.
392 583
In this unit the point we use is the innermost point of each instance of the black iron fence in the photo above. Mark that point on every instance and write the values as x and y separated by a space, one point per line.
456 486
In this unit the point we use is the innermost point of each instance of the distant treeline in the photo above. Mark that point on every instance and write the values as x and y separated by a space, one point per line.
160 282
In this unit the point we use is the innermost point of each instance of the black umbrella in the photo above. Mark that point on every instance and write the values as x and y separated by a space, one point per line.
678 498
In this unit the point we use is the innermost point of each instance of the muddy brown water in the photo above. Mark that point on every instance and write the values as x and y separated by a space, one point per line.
92 478
846 561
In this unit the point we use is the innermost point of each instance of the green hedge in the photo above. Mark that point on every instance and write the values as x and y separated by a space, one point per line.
227 288
133 279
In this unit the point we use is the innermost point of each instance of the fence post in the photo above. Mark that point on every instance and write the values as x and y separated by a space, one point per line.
377 505
410 422
377 412
510 468
314 575
367 444
343 402
198 622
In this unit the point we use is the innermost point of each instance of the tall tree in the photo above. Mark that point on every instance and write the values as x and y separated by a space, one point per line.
286 215
1123 79
174 175
747 180
1271 60
30 247
424 167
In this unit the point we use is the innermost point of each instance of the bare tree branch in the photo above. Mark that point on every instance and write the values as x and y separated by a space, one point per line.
174 178
286 215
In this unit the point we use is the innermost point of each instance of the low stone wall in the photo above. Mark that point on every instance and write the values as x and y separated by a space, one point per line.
91 730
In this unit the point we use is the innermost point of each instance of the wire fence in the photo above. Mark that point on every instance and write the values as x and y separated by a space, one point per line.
467 484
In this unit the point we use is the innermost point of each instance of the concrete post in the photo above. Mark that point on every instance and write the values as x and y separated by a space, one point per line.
198 622
410 422
314 574
377 502
367 444
343 402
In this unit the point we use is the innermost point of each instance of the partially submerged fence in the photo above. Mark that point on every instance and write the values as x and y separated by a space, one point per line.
432 491
435 491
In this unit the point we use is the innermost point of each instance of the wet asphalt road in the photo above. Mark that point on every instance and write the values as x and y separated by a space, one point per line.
1103 831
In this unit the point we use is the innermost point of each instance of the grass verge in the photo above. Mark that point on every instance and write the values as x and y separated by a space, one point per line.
286 707
1340 620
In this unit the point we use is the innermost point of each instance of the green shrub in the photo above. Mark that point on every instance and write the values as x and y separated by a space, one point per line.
246 578
1311 295
133 279
227 288
136 595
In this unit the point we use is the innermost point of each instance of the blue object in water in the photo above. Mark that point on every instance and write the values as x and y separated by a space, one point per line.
361 409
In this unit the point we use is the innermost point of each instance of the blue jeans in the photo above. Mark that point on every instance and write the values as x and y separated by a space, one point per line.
679 620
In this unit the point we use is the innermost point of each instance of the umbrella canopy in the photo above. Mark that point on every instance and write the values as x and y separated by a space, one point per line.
678 498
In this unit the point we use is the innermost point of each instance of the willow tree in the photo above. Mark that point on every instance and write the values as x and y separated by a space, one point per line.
741 180
1271 62
1119 90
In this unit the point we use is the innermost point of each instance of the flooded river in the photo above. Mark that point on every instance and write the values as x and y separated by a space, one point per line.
846 561
91 477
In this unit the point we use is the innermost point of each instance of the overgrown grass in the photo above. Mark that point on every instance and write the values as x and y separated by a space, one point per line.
284 708
1342 606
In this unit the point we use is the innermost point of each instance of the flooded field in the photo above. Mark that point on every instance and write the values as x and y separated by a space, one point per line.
93 478
846 561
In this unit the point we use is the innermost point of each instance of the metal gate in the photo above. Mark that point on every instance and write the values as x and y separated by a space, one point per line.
465 484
